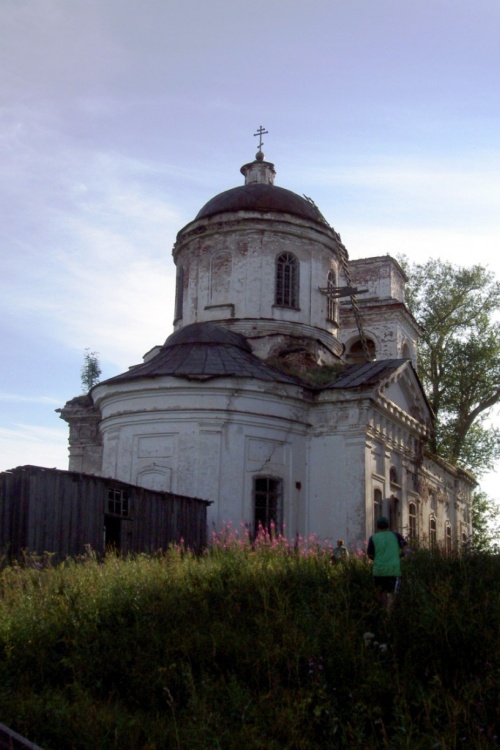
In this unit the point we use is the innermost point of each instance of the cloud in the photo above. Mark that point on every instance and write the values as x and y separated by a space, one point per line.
95 267
29 444
405 189
420 243
17 398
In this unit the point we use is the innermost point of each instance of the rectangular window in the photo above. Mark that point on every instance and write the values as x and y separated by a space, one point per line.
448 542
331 299
412 521
432 532
268 503
118 502
179 294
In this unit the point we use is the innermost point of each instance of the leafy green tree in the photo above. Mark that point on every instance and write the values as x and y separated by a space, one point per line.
485 523
459 357
91 370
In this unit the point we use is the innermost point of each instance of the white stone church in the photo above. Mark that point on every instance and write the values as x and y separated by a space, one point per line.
287 393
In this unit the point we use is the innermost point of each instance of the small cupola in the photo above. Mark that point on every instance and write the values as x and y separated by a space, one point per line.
259 172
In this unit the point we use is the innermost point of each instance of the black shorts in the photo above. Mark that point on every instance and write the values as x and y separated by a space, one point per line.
388 584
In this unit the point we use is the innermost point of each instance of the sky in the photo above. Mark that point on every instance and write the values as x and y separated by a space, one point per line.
119 119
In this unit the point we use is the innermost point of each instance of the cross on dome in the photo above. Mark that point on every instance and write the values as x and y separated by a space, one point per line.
260 132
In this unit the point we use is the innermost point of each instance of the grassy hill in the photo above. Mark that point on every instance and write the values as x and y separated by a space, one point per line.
258 647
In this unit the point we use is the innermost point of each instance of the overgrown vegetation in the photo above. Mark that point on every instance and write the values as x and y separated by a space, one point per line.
90 371
485 522
459 366
261 646
459 357
304 369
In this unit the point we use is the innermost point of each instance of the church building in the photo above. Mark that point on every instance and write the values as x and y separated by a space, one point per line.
287 393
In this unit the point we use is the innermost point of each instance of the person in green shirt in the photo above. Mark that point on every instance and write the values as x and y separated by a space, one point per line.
385 549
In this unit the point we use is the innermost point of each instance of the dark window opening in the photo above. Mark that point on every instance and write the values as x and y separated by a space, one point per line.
393 475
112 532
117 510
268 504
412 520
332 303
432 532
356 352
179 294
448 540
287 280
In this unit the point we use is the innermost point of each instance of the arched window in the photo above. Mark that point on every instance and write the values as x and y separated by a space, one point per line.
331 300
179 294
268 503
356 353
287 280
377 507
412 521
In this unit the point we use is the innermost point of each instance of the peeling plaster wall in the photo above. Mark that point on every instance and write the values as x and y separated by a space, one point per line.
85 447
444 496
229 266
210 440
386 321
382 276
207 442
336 498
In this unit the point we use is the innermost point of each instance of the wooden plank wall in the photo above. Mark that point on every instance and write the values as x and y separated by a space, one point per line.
61 512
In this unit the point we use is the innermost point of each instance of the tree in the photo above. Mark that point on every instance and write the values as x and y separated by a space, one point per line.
485 523
91 370
459 357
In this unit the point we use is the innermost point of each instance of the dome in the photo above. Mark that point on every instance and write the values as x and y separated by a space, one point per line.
264 198
207 333
259 193
202 351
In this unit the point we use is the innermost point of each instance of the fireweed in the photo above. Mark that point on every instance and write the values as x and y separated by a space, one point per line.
258 643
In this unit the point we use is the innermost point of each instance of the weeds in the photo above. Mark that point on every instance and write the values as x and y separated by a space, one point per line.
261 643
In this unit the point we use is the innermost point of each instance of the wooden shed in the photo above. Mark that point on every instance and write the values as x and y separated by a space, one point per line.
65 512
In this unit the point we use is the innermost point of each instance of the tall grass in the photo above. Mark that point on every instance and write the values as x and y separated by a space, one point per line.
255 645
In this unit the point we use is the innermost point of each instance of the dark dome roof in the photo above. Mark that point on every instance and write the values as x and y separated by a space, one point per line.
207 333
201 351
261 197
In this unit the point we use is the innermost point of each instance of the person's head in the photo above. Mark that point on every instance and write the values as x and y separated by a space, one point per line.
382 523
340 542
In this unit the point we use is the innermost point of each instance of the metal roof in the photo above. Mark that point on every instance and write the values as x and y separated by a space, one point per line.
201 351
366 374
261 197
